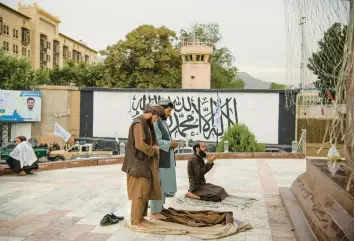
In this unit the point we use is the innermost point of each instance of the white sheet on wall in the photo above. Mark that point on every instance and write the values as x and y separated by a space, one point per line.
193 115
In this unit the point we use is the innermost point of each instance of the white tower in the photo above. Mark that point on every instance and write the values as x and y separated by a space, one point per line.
196 66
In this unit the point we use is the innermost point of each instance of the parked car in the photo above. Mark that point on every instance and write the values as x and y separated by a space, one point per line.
40 151
78 151
183 150
274 149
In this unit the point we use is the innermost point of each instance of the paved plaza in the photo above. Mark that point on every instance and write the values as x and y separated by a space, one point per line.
68 204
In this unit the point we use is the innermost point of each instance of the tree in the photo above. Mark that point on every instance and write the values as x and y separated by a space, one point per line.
79 73
208 31
15 73
224 73
327 62
147 58
240 140
275 86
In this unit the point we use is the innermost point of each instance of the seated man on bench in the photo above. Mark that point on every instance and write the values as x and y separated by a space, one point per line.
197 168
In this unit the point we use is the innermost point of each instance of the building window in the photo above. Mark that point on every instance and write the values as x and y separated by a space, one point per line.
198 57
15 33
56 53
29 53
86 59
1 26
43 42
6 46
6 30
24 52
202 57
49 58
48 45
25 35
191 57
43 57
15 49
65 52
186 58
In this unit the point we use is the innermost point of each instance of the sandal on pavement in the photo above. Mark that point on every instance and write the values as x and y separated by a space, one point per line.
108 220
113 216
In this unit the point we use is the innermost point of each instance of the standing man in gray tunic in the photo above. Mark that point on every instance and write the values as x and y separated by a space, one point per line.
167 171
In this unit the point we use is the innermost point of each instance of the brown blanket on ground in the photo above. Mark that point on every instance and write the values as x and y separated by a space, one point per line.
206 233
198 218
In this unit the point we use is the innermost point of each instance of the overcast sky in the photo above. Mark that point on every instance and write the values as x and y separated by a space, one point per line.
253 30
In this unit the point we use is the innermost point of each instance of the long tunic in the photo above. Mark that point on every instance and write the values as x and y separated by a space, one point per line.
196 169
167 175
141 187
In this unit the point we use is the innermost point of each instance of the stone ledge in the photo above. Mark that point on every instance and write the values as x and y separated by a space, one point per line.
299 222
45 166
325 204
249 155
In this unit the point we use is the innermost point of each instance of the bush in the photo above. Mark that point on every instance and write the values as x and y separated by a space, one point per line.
240 140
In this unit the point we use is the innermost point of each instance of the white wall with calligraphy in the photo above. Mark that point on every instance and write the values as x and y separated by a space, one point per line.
193 115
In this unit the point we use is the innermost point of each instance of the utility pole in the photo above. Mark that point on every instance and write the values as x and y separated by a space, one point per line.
302 69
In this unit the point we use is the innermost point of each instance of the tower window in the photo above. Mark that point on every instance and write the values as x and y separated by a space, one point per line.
198 57
202 57
186 58
191 58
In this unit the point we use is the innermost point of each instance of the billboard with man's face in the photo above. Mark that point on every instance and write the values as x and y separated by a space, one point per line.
20 106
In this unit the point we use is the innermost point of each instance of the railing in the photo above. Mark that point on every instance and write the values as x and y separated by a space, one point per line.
195 41
302 143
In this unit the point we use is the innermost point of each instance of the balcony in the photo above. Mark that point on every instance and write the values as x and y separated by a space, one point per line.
25 36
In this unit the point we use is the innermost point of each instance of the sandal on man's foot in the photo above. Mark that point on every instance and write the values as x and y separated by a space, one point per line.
107 220
22 173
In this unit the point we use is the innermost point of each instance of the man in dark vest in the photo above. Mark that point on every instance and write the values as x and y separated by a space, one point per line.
167 173
141 164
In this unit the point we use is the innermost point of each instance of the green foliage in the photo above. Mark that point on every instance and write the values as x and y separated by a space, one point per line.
275 86
327 62
147 58
208 31
240 140
15 73
81 74
223 72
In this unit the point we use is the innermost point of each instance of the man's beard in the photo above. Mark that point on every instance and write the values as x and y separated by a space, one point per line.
164 117
202 154
149 121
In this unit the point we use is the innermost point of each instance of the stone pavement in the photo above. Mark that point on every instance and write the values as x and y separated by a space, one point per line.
68 204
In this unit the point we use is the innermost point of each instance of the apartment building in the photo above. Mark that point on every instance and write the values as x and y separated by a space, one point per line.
15 32
34 33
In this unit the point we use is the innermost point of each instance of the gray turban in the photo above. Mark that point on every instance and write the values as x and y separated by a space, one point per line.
154 109
195 143
166 103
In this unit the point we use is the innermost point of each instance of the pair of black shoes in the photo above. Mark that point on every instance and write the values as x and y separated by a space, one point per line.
109 219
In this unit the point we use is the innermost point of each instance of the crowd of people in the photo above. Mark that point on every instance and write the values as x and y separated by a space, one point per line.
150 166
